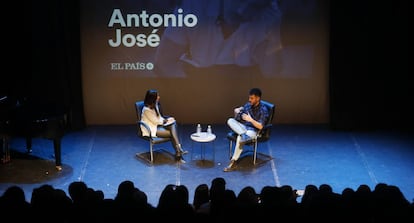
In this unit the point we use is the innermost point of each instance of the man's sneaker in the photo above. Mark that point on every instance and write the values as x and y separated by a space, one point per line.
231 166
183 152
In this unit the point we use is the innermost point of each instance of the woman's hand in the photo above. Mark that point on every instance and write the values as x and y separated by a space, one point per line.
169 120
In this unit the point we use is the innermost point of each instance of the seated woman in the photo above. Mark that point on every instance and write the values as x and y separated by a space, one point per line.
160 126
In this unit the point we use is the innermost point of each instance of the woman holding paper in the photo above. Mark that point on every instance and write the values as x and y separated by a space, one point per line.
160 125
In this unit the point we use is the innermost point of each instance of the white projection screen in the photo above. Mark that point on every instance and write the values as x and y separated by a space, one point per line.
203 56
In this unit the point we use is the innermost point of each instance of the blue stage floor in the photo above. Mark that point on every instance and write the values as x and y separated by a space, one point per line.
104 156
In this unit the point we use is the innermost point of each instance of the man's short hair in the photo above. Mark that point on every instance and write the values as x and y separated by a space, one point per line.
256 92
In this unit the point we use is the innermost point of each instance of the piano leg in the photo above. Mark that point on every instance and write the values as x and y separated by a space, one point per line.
56 147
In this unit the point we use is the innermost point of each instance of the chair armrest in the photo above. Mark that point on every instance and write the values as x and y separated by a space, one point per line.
266 127
231 135
264 132
141 123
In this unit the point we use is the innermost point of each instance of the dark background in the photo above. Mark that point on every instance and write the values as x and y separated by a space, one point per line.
369 85
369 72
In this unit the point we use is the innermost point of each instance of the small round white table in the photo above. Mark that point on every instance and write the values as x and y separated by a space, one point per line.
203 138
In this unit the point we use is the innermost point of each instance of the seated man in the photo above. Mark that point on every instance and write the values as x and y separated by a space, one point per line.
247 122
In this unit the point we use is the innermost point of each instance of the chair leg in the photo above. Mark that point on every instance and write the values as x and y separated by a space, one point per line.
230 148
255 152
151 153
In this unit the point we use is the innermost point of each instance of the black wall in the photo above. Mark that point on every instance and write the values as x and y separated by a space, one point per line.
55 77
369 67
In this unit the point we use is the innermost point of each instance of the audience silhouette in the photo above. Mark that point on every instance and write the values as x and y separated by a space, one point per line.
384 203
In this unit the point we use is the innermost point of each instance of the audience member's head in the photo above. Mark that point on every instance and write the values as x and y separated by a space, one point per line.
77 191
218 186
201 195
247 196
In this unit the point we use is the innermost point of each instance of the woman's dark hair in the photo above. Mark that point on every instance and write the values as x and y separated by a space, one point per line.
151 98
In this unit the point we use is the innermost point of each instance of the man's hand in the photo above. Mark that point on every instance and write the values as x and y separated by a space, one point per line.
237 110
247 117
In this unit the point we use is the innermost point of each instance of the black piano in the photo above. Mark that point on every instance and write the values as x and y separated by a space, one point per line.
29 118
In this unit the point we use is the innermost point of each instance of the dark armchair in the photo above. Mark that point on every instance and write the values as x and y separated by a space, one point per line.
262 136
153 140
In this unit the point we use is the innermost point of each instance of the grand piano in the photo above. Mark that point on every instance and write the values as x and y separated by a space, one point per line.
30 118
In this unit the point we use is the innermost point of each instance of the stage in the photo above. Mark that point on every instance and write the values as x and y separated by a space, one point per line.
296 155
